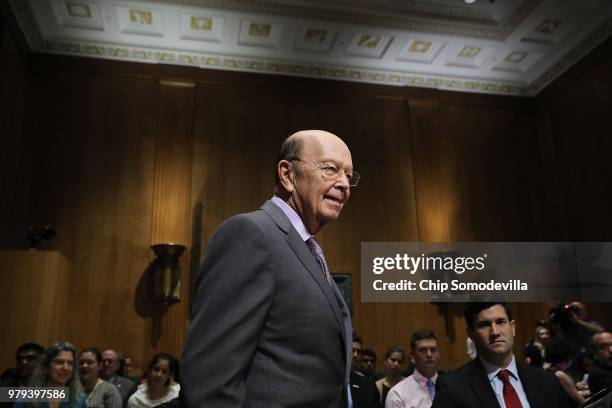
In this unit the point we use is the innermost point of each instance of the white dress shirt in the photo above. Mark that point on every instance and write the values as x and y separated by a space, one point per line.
498 385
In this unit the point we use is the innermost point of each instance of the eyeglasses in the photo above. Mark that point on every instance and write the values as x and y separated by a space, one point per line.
358 351
333 172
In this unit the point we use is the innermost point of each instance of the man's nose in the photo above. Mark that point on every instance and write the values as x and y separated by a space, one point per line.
343 181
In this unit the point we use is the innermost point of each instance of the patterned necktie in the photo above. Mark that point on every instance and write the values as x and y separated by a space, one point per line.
431 388
317 252
510 396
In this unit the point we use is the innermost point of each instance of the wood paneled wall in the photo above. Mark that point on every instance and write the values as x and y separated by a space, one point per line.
15 160
126 155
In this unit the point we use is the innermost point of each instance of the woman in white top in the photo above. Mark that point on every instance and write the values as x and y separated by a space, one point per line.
160 384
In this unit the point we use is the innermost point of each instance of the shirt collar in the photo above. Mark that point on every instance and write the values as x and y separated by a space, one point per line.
421 379
293 216
493 370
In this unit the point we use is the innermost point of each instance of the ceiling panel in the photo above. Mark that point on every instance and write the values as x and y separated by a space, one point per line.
510 47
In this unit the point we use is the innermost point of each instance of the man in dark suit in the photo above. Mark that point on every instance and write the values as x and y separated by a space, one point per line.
110 367
600 376
363 389
269 326
494 378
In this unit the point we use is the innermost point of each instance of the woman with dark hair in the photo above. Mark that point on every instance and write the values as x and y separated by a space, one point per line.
98 393
160 383
56 369
393 363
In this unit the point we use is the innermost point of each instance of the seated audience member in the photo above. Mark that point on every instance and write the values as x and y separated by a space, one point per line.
98 393
418 390
56 369
559 355
537 345
125 368
159 384
495 378
363 390
581 378
574 324
533 356
26 359
394 361
368 362
600 376
110 367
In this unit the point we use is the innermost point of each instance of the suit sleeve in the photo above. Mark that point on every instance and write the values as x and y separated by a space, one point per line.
234 293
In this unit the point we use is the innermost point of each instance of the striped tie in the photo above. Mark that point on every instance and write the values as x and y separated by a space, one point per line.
317 252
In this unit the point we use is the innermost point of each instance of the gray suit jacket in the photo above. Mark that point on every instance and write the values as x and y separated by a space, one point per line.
125 386
267 330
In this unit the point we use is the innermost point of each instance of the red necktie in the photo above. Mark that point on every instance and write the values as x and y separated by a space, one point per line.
510 396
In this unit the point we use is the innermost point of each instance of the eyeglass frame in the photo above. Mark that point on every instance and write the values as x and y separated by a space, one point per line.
323 167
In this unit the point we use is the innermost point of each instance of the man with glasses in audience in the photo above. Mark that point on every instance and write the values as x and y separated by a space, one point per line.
110 366
269 326
26 359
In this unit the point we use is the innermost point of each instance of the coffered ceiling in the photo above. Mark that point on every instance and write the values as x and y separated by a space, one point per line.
510 47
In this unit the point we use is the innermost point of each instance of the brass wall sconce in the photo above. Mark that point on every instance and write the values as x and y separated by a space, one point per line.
167 286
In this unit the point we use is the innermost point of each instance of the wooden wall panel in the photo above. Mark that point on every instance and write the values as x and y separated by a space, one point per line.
37 284
94 170
171 204
121 162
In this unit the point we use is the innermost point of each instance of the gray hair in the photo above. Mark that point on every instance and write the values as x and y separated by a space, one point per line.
41 373
290 150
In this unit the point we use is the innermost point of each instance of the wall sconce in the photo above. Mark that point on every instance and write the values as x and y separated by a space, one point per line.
167 289
37 233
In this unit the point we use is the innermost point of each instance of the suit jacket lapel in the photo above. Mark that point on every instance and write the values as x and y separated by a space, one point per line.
305 256
530 387
481 385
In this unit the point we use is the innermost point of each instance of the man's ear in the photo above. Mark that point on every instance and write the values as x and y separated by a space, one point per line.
285 175
469 332
513 324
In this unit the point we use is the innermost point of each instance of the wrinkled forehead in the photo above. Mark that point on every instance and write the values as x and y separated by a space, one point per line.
326 147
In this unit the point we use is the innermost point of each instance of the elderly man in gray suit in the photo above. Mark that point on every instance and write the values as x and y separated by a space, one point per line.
269 326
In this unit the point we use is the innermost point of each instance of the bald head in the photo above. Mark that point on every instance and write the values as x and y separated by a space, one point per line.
294 144
312 176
